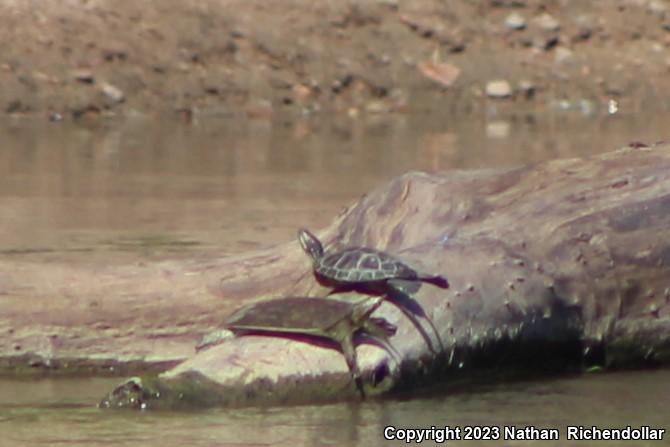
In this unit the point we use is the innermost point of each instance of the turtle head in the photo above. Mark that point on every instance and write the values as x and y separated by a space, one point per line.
310 244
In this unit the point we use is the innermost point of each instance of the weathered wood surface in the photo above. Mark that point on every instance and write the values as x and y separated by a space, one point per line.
569 251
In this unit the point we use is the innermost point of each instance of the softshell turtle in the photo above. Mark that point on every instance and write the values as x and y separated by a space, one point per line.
341 321
372 271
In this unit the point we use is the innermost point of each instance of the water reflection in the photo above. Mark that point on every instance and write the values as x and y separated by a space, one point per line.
150 188
62 411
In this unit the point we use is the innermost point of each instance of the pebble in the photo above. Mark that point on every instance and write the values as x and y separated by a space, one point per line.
515 21
112 92
260 109
584 25
55 117
498 89
543 42
527 88
615 87
377 106
301 93
657 7
84 76
547 22
498 129
563 55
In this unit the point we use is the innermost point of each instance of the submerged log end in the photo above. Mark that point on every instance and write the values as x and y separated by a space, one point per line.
293 373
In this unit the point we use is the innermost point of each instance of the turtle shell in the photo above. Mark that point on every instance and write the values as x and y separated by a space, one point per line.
361 265
292 315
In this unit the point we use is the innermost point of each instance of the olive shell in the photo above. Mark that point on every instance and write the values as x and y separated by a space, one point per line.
292 314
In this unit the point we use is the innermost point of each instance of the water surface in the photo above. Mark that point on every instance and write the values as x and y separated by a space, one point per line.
150 188
62 412
141 189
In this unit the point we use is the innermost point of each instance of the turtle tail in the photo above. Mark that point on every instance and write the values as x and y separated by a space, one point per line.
436 280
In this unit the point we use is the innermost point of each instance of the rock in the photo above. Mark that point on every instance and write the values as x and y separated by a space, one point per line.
584 29
544 42
498 89
657 7
612 107
111 55
41 76
112 92
260 109
547 22
89 112
527 88
377 106
84 76
515 21
55 117
441 72
563 55
615 87
302 93
498 130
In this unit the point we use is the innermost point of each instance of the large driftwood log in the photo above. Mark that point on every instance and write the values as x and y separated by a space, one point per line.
561 262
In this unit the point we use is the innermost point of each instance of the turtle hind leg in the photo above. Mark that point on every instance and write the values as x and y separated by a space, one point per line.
349 352
436 280
412 309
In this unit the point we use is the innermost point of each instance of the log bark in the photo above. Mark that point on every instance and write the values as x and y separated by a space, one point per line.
562 263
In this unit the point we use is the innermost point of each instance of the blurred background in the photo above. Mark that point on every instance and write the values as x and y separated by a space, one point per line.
169 128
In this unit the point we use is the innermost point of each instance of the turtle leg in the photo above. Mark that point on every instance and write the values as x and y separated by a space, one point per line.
349 352
376 331
411 308
436 280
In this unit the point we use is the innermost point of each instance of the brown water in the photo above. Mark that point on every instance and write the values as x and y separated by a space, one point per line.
119 190
62 412
114 192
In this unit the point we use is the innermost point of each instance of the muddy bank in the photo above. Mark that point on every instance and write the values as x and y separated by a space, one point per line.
85 58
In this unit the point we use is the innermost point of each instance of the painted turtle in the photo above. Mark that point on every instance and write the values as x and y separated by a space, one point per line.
361 266
372 271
